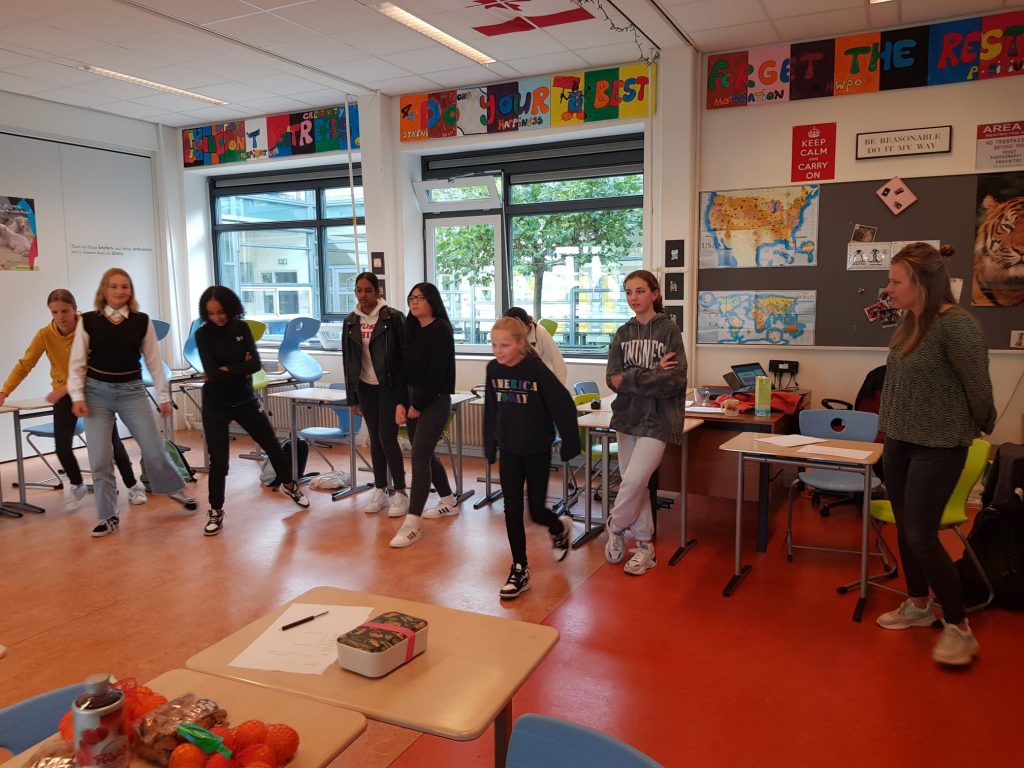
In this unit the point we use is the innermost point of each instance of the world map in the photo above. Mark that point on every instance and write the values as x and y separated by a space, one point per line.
772 227
756 317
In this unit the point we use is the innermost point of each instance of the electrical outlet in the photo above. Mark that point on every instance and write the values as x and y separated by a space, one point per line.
783 366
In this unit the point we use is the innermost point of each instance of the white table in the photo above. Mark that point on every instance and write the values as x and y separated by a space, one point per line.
20 410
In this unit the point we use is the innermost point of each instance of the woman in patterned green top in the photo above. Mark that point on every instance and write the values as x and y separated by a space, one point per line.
936 399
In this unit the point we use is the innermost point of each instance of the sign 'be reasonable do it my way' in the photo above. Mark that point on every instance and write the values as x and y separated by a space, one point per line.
909 141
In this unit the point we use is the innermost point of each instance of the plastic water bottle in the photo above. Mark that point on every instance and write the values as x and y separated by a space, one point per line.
98 715
762 396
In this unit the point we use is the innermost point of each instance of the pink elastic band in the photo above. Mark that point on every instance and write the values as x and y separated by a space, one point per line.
410 647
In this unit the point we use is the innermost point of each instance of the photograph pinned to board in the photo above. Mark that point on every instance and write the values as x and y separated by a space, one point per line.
863 233
18 247
1016 339
868 256
883 310
675 253
676 313
377 262
896 195
956 285
674 286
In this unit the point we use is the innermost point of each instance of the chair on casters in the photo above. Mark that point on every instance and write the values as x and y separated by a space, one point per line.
954 515
539 741
32 720
300 365
586 388
348 424
869 398
56 482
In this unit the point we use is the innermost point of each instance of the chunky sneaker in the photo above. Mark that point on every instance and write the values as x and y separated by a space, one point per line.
137 494
408 534
295 494
906 616
186 501
377 501
560 544
398 505
448 507
955 646
75 496
214 522
615 547
105 526
518 582
642 560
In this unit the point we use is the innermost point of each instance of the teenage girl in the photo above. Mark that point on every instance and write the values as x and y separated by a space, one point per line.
105 381
542 343
523 404
373 340
55 341
647 368
429 366
229 356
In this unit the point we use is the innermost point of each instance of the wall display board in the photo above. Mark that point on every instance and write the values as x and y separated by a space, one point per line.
946 210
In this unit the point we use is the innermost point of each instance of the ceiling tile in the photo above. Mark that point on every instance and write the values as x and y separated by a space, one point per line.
119 59
610 55
105 27
284 84
176 47
19 84
180 76
206 115
589 34
410 84
12 59
234 92
273 106
712 14
474 74
76 97
117 89
38 9
503 71
391 37
169 102
735 38
366 70
325 97
43 37
549 64
823 25
318 51
330 17
133 110
202 11
261 29
49 72
914 11
242 66
434 59
778 9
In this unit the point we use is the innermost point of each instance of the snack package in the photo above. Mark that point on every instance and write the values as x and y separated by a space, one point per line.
157 730
55 752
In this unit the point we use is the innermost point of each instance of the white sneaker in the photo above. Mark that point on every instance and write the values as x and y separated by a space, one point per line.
955 646
447 507
398 505
907 615
377 501
642 560
137 494
75 496
615 547
408 534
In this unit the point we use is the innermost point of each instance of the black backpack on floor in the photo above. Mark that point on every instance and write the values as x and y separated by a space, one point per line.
997 538
268 476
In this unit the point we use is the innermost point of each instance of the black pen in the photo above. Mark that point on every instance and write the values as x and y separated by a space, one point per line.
302 621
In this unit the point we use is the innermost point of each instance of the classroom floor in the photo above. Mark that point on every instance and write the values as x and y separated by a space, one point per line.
777 675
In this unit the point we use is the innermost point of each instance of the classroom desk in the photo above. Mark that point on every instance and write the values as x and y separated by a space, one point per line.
324 730
463 682
21 410
748 448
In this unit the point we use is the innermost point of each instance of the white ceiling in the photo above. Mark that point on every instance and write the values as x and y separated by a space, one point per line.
275 56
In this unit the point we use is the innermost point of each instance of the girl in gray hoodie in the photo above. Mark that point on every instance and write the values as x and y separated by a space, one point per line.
647 368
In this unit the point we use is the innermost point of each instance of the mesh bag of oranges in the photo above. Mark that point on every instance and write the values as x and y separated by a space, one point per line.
250 744
138 701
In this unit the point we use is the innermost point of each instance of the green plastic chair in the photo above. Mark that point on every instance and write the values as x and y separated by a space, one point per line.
550 326
258 328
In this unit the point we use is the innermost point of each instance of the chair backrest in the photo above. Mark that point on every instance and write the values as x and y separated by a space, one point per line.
32 720
839 425
586 387
546 742
300 365
584 398
257 328
346 419
550 326
190 351
955 512
162 328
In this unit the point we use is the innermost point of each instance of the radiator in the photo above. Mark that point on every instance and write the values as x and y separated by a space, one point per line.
472 415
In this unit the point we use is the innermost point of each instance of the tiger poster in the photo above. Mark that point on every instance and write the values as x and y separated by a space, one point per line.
998 271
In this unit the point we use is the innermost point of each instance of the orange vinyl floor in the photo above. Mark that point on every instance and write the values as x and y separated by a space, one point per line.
776 675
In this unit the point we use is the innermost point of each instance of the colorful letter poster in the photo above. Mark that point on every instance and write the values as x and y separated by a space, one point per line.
756 317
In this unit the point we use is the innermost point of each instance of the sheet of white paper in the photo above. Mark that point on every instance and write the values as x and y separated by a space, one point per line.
704 409
845 453
790 440
689 403
308 649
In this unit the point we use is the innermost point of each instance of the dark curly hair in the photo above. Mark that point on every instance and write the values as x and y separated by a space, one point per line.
228 300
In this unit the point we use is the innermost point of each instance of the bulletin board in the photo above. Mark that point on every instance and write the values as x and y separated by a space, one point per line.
945 211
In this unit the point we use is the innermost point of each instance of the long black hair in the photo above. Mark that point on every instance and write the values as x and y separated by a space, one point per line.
433 297
371 278
227 299
521 315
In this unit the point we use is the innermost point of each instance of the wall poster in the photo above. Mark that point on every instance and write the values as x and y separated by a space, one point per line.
18 247
998 273
756 317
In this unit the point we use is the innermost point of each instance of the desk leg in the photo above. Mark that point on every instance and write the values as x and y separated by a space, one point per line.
588 501
489 496
858 611
593 527
22 504
353 486
739 571
502 735
460 493
763 491
684 544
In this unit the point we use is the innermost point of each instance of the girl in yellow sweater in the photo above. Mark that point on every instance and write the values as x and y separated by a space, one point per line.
54 340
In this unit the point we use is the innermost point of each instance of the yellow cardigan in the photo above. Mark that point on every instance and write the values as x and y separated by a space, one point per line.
57 349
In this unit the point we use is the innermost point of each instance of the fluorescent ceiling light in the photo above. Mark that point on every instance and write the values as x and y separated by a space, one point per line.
151 84
417 24
876 2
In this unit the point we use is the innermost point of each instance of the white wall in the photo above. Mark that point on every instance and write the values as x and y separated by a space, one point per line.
750 147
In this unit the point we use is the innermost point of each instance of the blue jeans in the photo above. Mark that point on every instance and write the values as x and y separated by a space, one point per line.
106 401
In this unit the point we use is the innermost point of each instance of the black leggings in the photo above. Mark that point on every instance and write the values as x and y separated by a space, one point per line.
64 435
378 407
533 470
919 481
424 433
250 417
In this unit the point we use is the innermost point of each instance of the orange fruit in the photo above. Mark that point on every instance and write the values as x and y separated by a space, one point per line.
257 753
67 727
250 732
227 736
284 740
217 760
258 764
187 756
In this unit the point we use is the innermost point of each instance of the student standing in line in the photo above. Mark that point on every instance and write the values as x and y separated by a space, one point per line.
229 356
647 368
539 338
105 381
430 378
373 342
523 404
936 399
55 341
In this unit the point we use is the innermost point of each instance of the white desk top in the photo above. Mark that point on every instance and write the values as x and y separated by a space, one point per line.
33 404
602 420
752 442
314 395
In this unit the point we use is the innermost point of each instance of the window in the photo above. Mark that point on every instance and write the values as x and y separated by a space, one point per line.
290 244
568 231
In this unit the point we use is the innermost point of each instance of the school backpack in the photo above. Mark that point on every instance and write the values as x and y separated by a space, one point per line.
268 476
997 538
176 456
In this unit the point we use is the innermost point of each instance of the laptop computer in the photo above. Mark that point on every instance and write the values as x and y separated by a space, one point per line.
743 377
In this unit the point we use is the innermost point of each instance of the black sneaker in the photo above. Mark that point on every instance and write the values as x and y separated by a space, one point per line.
186 501
105 526
518 582
560 544
214 522
295 494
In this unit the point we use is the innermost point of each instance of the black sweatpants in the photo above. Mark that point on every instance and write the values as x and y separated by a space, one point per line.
424 433
532 470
